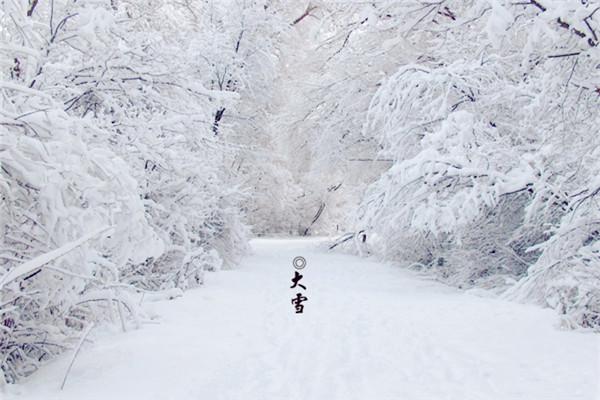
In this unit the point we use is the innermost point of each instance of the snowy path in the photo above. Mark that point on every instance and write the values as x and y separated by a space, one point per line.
369 331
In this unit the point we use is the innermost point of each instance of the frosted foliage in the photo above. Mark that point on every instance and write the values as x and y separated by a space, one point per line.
113 179
491 129
54 190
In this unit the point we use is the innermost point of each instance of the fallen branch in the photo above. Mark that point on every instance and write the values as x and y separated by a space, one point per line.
306 13
39 261
343 239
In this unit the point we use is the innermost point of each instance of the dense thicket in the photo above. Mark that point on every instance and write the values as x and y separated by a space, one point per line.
493 132
125 133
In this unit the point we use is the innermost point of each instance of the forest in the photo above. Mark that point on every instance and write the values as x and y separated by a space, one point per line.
143 144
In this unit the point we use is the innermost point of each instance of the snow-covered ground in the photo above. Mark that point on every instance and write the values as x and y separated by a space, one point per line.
369 331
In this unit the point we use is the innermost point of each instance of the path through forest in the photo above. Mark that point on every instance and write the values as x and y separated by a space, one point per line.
368 331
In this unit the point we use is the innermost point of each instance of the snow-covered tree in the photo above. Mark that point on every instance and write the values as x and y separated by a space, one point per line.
108 155
71 215
491 129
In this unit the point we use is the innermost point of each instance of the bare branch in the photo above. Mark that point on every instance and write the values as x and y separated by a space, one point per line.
306 13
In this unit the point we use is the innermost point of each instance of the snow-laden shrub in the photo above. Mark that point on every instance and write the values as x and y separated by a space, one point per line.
567 274
155 113
56 190
495 154
112 181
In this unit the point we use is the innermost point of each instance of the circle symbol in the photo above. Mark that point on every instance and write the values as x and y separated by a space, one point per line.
299 262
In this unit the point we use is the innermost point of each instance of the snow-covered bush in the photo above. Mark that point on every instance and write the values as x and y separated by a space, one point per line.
112 179
156 113
491 128
57 190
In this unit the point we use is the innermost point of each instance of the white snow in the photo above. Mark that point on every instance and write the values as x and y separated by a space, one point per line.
369 331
